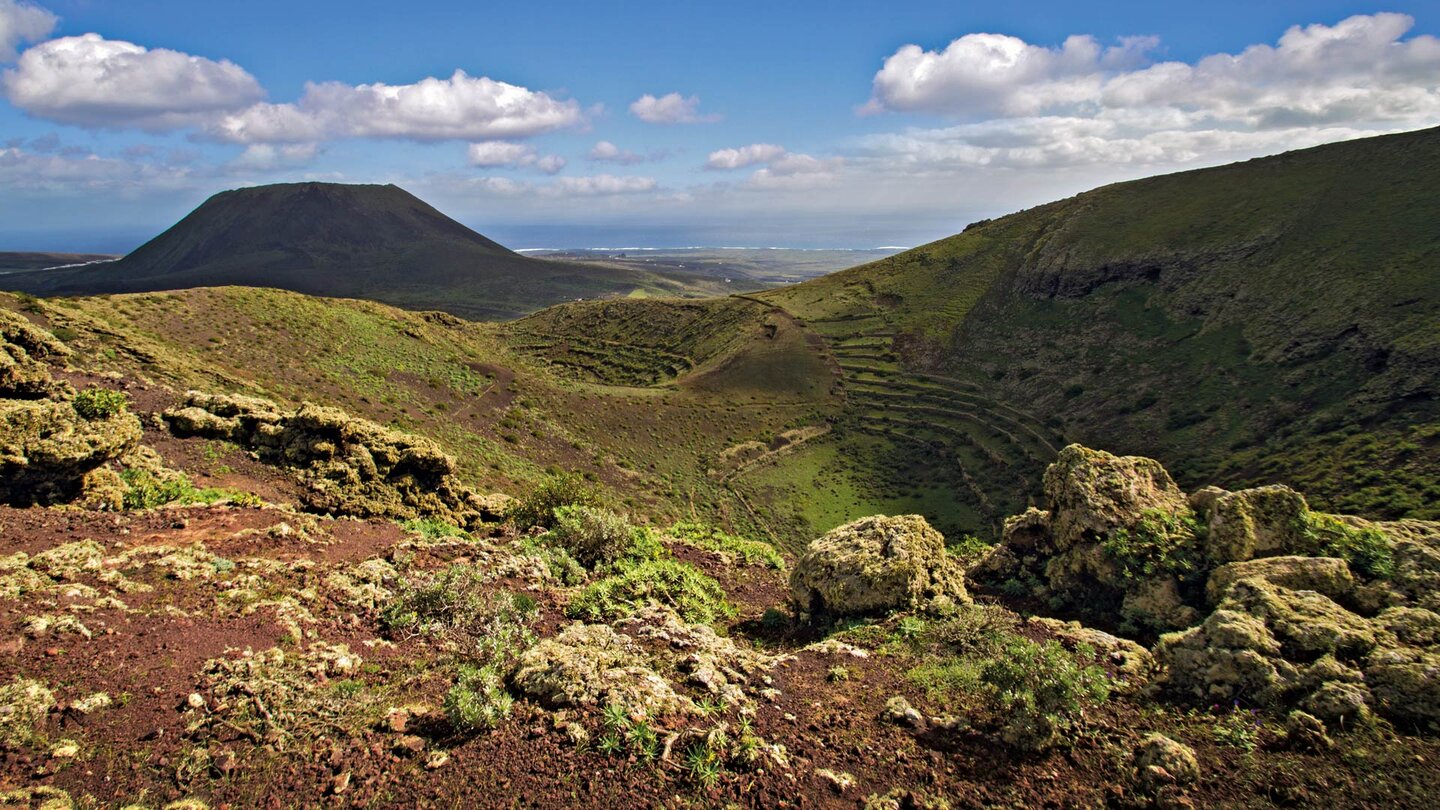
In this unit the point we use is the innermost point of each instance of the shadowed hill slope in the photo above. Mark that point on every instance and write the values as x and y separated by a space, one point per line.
361 241
1267 320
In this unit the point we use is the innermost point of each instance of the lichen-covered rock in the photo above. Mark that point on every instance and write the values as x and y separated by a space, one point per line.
1416 627
877 564
349 466
697 654
47 448
1307 624
1229 655
1305 732
1161 762
24 348
1156 602
592 664
1257 522
1092 493
1339 704
1326 575
1406 685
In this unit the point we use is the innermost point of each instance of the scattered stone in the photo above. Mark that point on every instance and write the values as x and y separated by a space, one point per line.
898 710
1161 762
408 745
1305 732
436 760
841 781
875 565
92 703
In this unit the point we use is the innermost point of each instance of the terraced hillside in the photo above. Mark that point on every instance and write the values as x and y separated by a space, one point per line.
1267 321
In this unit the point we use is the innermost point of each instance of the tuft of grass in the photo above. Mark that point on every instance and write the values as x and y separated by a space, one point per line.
145 490
478 700
694 596
434 529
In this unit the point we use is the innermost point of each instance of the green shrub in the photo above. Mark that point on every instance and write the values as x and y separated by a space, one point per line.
1042 690
1162 543
100 403
434 529
1366 550
598 537
750 552
693 595
537 507
478 699
457 602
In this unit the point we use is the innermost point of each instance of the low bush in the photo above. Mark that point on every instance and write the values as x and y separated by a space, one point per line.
100 403
146 490
597 537
537 507
478 700
1161 543
693 595
1367 550
1041 690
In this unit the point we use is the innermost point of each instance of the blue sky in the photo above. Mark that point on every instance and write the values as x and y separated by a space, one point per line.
801 124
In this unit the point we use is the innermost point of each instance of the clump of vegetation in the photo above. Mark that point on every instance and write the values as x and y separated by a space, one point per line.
954 650
1161 543
694 596
1238 728
597 537
455 602
750 552
146 490
433 529
100 403
1367 550
478 699
1042 690
537 507
24 703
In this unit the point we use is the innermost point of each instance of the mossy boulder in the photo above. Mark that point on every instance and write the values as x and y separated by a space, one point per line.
1258 522
1161 762
1326 575
1092 493
349 466
24 351
47 448
1405 683
1229 655
876 565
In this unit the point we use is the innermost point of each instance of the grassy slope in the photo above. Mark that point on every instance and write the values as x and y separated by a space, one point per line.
1268 320
505 414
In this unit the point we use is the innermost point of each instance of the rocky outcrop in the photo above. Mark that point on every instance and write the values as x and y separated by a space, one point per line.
48 446
875 565
349 466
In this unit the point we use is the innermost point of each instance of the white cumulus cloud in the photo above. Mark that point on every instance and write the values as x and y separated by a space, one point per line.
743 156
506 153
671 108
91 81
608 152
462 107
601 184
22 22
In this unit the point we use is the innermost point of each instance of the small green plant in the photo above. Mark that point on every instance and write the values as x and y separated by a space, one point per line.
537 507
146 490
1367 550
478 699
598 537
100 403
695 596
703 765
1042 690
909 627
1161 543
643 740
837 674
434 529
969 548
1237 728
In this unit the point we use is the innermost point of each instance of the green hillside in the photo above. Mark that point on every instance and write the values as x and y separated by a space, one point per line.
361 241
1272 320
